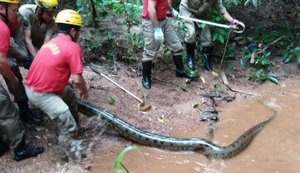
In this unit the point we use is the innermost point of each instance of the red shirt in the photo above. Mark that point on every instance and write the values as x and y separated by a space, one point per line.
53 65
162 7
4 37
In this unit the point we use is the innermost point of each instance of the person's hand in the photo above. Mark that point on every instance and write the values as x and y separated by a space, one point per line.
174 13
237 23
158 35
239 26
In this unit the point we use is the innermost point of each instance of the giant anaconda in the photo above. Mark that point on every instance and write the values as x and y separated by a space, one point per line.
199 145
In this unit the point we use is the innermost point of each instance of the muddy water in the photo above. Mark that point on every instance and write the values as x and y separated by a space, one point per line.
275 150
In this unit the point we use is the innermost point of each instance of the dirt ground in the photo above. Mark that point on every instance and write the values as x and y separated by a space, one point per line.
175 103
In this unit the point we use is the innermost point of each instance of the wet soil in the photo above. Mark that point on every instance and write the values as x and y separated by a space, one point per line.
176 108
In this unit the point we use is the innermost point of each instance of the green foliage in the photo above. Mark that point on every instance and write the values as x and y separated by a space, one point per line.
104 7
218 34
285 46
254 2
296 51
95 10
135 44
290 53
261 75
262 66
232 3
118 161
180 29
85 8
133 10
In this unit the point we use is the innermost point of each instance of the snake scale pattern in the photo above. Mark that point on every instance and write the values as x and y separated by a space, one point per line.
198 145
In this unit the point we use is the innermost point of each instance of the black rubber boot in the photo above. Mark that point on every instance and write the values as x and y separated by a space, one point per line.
26 114
190 51
23 151
4 147
180 71
147 65
208 53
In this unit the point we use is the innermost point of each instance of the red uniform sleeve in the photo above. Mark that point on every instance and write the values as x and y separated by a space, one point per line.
75 60
4 35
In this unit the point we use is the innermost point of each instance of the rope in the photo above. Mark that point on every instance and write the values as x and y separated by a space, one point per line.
225 48
223 75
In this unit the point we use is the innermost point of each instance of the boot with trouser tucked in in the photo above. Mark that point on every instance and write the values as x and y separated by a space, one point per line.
190 52
26 114
180 71
147 65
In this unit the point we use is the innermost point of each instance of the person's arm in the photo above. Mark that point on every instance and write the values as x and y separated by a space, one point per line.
218 5
170 4
78 81
174 12
27 12
240 25
228 17
152 12
223 11
6 71
28 42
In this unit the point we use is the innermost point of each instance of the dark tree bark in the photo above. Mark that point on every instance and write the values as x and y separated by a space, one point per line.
94 13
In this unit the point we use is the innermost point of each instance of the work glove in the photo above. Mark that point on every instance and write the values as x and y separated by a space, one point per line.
27 62
158 34
174 13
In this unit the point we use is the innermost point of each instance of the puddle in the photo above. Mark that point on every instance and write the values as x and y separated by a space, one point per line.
274 150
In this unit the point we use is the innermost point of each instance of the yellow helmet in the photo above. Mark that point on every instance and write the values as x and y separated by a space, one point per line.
70 17
47 4
11 1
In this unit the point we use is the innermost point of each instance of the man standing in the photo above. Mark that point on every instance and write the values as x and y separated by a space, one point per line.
157 30
200 9
36 27
11 128
58 62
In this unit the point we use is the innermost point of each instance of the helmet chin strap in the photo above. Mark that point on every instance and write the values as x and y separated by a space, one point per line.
73 38
5 16
40 15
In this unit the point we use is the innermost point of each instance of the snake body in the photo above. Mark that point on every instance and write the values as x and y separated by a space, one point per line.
199 145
